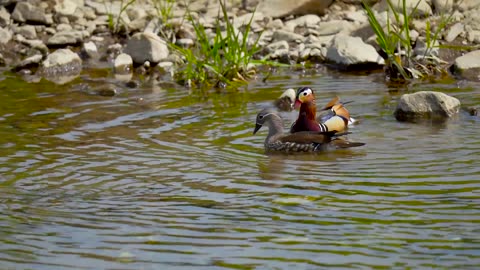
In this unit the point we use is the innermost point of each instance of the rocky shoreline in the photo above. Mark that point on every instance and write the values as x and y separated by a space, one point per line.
58 39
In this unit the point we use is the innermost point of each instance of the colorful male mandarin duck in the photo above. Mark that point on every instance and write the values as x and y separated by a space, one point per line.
336 117
306 141
286 101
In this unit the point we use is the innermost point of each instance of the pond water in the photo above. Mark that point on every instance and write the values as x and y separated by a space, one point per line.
158 177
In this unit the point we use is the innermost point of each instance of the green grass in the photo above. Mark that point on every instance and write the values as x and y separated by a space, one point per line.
115 23
164 10
396 42
225 60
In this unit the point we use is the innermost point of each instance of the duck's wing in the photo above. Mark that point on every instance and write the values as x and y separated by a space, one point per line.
341 143
307 137
331 103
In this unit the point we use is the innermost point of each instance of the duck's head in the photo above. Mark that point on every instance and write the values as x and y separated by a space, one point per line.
304 95
265 117
286 101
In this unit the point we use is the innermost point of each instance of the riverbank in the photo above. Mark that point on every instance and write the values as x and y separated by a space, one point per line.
59 39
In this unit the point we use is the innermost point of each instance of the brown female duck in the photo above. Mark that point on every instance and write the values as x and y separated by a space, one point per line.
307 141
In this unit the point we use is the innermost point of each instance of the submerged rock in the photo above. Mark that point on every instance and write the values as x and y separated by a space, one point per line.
123 64
146 47
61 62
432 105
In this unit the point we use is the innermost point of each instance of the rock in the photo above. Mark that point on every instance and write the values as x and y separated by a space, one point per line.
422 10
123 63
106 90
61 62
468 65
279 45
432 105
358 16
36 44
304 54
454 31
347 50
167 66
318 54
146 47
185 42
245 19
90 49
306 20
66 38
473 111
332 27
473 36
65 7
466 5
28 31
26 12
62 27
442 6
137 24
4 17
421 50
136 12
104 8
287 36
5 36
274 24
284 8
29 62
282 55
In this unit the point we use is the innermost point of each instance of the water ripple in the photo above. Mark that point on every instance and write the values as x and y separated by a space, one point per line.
152 180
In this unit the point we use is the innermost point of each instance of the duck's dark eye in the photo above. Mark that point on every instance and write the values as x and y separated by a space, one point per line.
305 93
260 117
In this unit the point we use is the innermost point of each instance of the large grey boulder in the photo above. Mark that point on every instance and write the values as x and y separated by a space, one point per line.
468 65
432 105
347 50
146 47
61 62
283 8
26 12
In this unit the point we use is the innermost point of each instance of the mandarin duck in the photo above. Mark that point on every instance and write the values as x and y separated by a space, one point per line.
306 141
286 101
336 116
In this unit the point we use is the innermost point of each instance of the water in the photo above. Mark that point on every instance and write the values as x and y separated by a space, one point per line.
161 178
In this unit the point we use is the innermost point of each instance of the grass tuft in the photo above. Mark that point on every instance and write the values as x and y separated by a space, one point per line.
396 42
224 60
